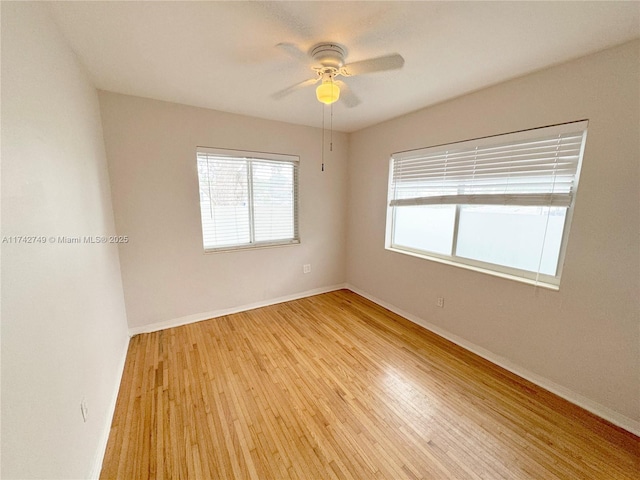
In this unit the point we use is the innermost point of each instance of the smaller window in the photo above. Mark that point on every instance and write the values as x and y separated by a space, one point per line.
247 199
498 204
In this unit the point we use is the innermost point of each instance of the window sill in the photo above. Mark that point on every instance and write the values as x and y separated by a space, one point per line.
486 271
253 246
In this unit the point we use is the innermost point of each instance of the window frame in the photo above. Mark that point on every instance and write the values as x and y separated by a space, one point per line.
512 273
250 156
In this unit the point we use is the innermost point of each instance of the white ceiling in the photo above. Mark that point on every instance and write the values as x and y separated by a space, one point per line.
222 55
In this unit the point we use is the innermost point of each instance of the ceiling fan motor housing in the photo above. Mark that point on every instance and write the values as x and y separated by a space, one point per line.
329 55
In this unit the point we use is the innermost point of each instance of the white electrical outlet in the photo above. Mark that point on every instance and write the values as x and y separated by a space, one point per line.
84 410
440 302
306 268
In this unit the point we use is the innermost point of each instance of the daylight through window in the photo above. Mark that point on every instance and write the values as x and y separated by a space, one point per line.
500 204
247 199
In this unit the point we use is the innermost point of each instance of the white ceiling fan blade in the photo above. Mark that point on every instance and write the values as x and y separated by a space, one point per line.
347 96
293 88
294 51
388 62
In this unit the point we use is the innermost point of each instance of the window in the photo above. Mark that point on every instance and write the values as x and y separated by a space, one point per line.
247 199
500 204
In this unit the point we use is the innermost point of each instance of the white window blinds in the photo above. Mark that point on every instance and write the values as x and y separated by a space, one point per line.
247 198
532 168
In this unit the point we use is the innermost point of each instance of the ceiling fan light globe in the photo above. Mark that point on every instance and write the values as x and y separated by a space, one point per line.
328 93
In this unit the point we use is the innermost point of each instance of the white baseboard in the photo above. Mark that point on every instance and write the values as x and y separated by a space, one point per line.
596 408
198 317
102 446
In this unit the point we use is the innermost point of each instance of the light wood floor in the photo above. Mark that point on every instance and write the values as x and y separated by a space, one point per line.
336 387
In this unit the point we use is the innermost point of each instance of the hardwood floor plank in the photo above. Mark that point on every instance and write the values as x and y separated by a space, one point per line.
337 387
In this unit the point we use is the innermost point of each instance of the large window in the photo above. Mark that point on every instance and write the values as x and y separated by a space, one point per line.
500 204
247 199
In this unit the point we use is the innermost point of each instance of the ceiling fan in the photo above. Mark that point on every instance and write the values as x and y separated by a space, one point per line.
328 61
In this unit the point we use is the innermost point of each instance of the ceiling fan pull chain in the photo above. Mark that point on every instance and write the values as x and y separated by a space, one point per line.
331 127
322 106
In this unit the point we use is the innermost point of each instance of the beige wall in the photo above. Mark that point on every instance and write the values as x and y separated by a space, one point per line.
584 338
151 147
64 329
